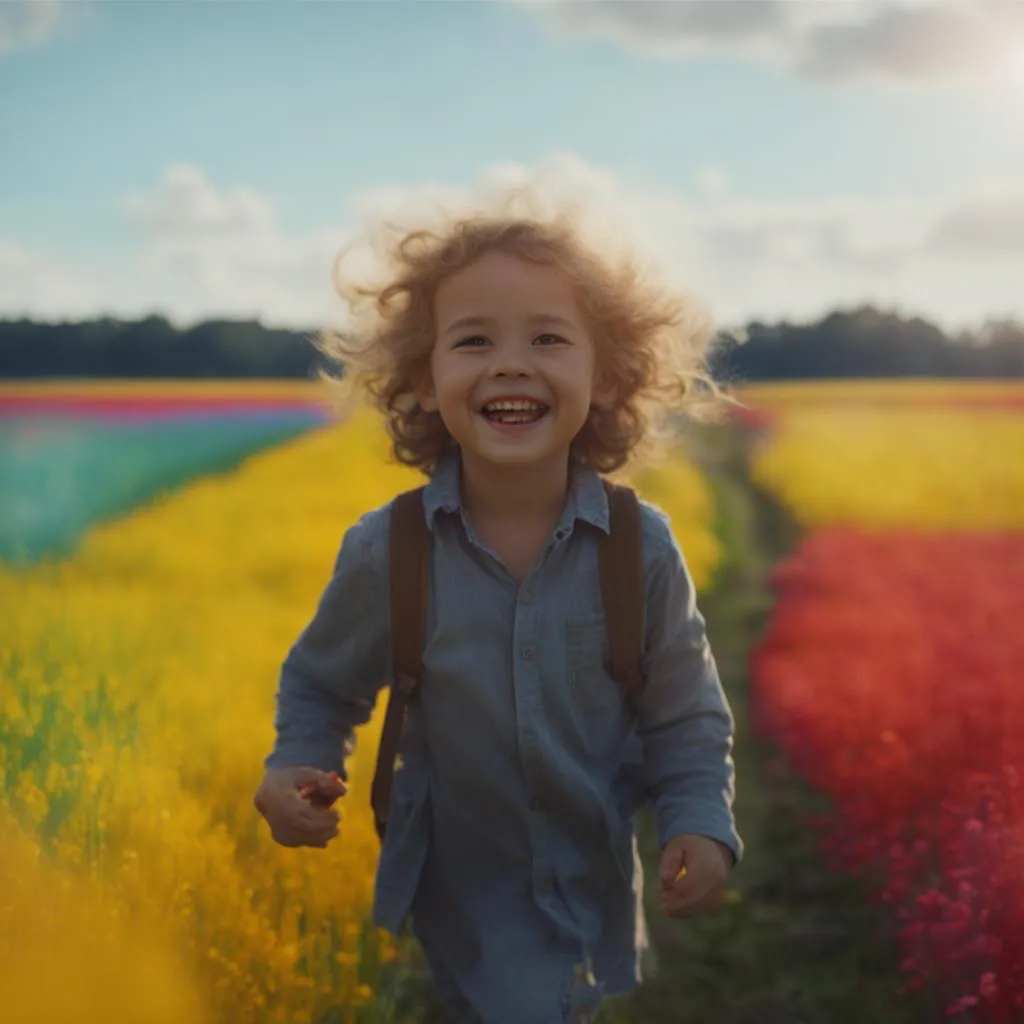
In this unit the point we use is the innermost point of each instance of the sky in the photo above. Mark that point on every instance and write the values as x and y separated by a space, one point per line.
778 158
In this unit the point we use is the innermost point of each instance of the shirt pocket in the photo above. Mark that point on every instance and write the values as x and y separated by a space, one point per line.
596 698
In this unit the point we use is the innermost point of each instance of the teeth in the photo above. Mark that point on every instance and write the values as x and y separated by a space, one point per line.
513 406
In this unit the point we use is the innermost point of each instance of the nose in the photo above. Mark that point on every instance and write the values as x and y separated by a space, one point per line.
510 361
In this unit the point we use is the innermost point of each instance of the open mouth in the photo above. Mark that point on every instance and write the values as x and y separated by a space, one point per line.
513 411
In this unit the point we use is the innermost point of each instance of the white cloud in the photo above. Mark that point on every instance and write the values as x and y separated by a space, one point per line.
712 180
219 250
25 23
184 204
207 248
955 257
912 41
987 223
34 284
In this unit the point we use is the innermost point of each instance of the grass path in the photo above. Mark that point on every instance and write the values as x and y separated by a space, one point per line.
801 946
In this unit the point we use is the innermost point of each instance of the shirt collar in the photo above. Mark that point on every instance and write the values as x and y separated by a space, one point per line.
441 493
587 499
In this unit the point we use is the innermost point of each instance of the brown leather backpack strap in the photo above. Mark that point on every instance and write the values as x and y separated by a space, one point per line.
620 554
408 563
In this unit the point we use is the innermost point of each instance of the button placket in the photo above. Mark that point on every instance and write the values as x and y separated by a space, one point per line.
526 676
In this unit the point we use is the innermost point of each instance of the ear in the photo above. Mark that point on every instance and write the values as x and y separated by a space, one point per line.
423 387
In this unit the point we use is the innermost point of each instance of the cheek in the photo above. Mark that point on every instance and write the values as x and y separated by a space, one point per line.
453 383
577 378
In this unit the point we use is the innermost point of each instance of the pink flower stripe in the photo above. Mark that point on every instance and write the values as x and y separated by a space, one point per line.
892 677
134 405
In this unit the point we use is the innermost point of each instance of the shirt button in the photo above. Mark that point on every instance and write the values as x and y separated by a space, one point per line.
528 654
535 803
524 595
544 884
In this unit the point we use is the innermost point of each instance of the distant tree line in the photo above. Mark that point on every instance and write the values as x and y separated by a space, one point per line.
869 343
153 347
858 343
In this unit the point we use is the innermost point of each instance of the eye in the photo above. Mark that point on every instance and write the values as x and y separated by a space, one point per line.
550 339
473 341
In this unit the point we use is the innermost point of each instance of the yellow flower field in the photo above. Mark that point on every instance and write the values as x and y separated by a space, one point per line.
891 455
136 708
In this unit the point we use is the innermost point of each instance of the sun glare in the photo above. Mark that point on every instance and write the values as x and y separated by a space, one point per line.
1015 66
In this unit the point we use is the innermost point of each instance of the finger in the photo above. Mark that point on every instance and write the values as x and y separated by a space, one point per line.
711 902
673 866
296 822
320 840
691 885
334 783
312 806
307 836
688 884
706 898
295 838
696 892
317 823
320 798
307 808
329 785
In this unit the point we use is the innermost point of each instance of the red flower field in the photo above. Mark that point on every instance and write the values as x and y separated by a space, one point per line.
891 677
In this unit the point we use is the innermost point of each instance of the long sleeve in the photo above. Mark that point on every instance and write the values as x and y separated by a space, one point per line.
685 721
332 674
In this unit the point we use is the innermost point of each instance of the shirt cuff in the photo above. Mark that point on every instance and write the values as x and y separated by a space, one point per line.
327 759
713 822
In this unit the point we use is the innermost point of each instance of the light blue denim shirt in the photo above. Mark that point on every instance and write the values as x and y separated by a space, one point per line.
511 831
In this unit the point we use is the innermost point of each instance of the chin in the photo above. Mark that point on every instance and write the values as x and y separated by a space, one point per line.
481 442
523 457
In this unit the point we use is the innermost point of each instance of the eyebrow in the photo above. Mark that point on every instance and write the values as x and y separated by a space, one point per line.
484 321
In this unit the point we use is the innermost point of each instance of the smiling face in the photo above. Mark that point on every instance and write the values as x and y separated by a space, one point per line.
512 372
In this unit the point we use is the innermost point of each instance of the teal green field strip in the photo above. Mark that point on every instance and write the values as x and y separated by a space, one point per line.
60 476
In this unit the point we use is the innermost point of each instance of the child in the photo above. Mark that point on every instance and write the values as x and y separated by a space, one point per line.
514 366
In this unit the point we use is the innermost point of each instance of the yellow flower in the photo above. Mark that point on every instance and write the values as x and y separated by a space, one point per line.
896 457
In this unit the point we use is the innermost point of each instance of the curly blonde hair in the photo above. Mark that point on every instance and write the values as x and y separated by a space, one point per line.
651 340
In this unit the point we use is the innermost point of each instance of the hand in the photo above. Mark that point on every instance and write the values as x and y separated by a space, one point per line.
297 803
693 873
